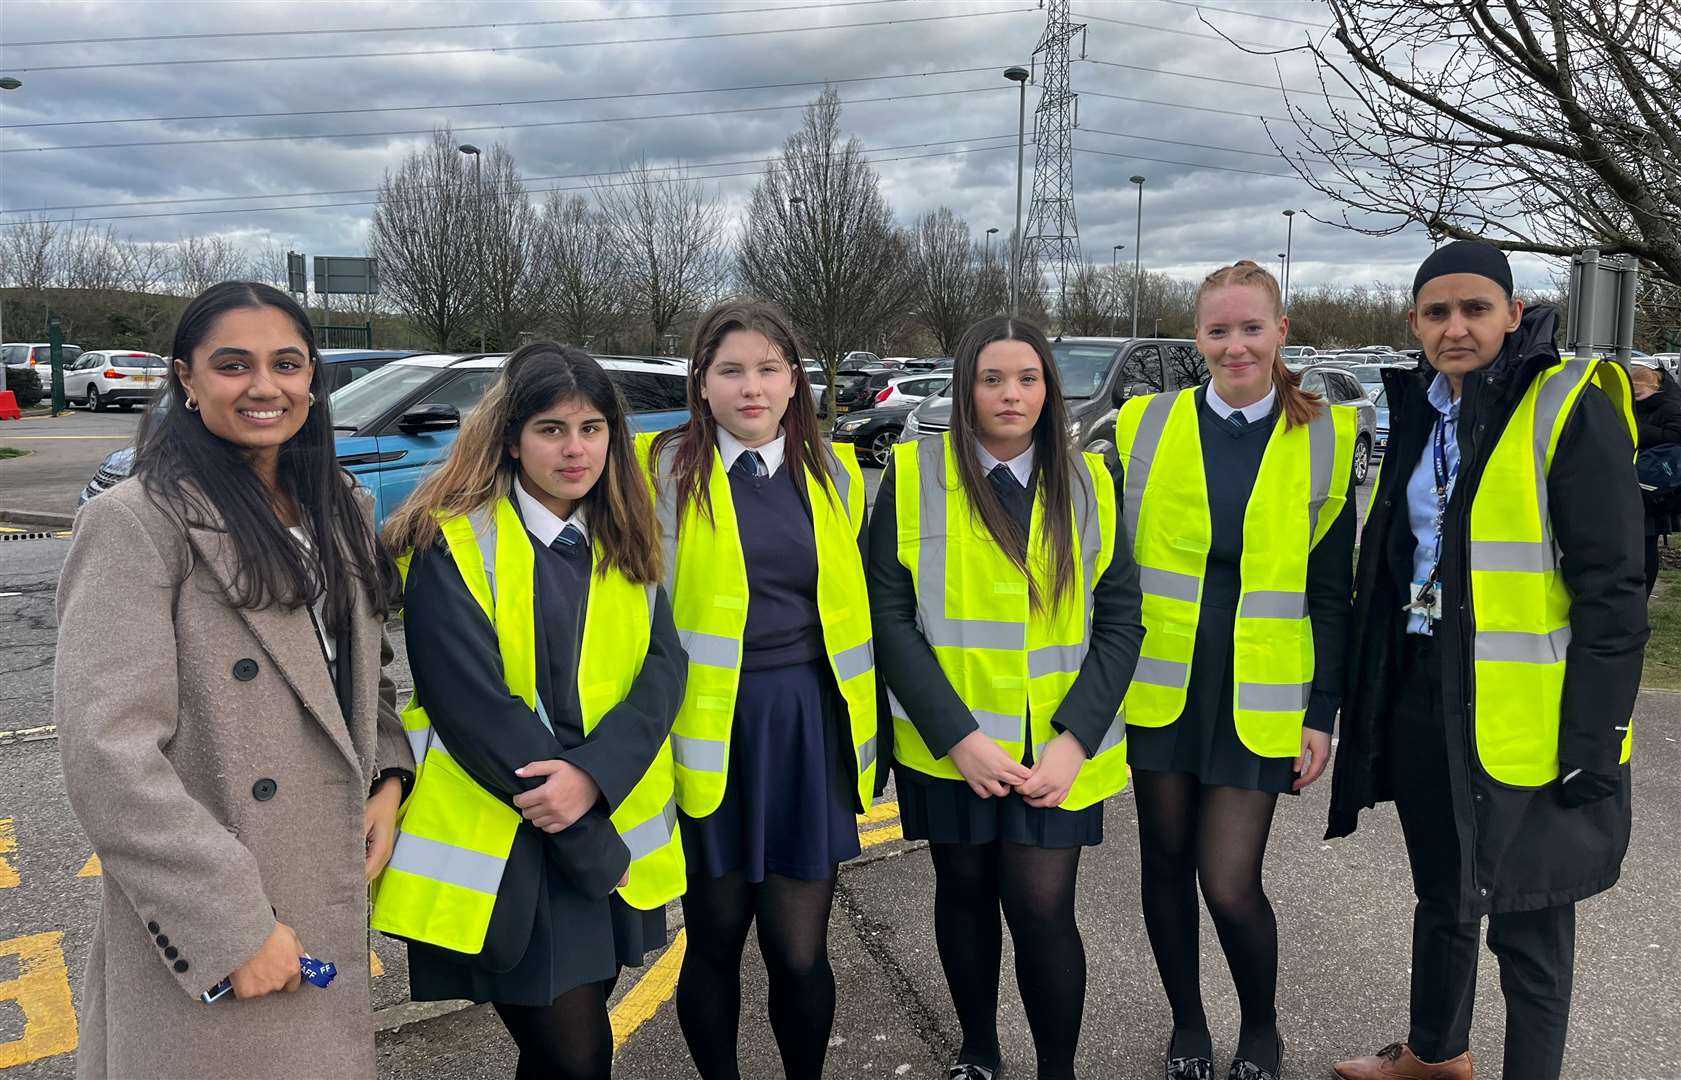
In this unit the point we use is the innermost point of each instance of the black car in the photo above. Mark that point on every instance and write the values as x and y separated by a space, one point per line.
873 431
856 390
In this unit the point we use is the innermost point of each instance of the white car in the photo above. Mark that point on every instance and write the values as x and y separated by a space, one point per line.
910 389
122 377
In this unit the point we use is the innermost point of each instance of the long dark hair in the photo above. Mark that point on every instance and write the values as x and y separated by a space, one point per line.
1052 457
480 469
692 465
201 480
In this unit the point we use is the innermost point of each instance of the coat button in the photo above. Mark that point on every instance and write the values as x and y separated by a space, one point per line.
264 789
151 928
180 967
245 670
171 953
163 941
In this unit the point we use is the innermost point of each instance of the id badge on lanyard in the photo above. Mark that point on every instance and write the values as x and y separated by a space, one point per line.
1427 594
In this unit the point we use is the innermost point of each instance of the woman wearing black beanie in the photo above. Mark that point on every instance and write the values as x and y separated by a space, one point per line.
1494 660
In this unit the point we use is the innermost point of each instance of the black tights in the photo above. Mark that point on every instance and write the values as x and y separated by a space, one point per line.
793 918
571 1038
1190 833
1035 889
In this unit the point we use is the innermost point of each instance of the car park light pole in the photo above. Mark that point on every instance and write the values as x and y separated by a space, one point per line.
1289 232
478 232
1137 251
1018 75
1114 273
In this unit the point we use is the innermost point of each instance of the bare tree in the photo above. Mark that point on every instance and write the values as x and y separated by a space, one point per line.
202 261
580 268
668 234
28 253
145 267
834 259
1091 302
946 276
1539 125
423 237
507 264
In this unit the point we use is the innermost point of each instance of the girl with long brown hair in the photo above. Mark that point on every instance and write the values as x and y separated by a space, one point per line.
1006 600
1239 500
547 674
777 742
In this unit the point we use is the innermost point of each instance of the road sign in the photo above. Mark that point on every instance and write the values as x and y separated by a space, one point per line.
297 278
337 274
1601 306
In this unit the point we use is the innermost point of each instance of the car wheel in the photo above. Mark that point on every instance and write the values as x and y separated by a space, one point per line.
1362 460
94 404
881 447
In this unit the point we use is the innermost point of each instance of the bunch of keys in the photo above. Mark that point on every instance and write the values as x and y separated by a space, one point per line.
1426 601
315 972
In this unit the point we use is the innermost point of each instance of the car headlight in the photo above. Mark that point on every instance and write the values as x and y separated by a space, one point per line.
911 430
852 424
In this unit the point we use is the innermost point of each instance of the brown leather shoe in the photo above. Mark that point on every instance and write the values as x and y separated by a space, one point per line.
1397 1062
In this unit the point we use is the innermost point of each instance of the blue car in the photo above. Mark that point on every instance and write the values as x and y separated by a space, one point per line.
1382 434
398 424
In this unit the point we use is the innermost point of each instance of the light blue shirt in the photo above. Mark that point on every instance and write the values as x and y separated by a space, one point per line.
1421 493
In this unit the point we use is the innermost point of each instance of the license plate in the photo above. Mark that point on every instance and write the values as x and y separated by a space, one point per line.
146 380
843 408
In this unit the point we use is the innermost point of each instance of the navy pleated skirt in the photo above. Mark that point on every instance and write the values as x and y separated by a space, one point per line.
945 811
788 802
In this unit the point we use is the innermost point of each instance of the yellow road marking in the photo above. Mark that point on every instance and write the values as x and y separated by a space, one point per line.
886 811
91 868
8 528
374 964
42 992
8 854
881 836
653 990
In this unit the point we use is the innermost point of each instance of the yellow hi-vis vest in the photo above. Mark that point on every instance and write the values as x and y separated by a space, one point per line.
1520 607
453 842
706 578
1012 666
1300 489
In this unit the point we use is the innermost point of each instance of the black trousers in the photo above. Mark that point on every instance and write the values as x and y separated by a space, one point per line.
1536 950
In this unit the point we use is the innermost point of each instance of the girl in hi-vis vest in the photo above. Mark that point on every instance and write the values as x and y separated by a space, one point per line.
1006 603
540 845
1238 495
776 743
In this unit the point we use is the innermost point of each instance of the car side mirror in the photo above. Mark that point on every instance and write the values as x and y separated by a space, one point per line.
427 418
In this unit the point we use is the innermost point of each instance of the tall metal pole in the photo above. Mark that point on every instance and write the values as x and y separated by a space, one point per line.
1282 262
1114 272
1137 254
478 236
1289 232
1018 75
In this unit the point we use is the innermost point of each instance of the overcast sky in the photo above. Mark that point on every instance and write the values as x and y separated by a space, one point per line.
1196 214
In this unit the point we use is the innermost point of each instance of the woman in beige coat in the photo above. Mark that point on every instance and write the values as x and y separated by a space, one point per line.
239 763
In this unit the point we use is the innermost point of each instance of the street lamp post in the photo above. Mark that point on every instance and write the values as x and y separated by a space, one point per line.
478 233
1289 232
1137 251
1283 261
1018 75
1114 267
988 259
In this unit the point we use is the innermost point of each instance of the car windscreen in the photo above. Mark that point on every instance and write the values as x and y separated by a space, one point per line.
1370 374
846 381
1083 368
370 397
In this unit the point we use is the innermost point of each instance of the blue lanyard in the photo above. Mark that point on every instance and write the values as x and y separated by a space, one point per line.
1445 478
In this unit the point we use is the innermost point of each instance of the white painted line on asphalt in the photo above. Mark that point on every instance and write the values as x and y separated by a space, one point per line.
29 734
6 594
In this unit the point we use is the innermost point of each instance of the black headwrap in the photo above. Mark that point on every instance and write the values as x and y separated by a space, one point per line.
1466 257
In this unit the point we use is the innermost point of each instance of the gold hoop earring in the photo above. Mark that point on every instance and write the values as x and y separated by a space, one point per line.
190 405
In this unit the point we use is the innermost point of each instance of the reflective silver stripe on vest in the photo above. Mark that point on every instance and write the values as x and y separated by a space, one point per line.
1548 404
1520 648
940 631
418 738
1143 457
1521 556
698 755
1000 726
665 510
866 755
1273 604
856 661
1168 673
839 477
893 706
1273 697
1169 584
1112 738
483 521
1055 660
1322 462
438 861
653 834
710 650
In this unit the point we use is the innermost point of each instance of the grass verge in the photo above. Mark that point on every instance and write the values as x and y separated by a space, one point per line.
1663 651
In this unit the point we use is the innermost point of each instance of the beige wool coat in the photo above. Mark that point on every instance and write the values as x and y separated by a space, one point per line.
207 758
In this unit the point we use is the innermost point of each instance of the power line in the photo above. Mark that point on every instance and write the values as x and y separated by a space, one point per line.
1151 101
497 104
518 48
523 179
1183 33
1192 164
450 26
1175 142
1323 25
533 191
485 127
1215 79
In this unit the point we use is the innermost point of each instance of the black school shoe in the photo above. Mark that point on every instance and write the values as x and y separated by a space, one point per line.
963 1070
1244 1069
1189 1068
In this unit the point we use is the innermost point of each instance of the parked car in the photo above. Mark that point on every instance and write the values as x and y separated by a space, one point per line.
1380 433
1339 386
1298 352
874 431
858 361
1098 374
121 377
927 363
1670 362
1371 377
857 389
36 354
910 389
